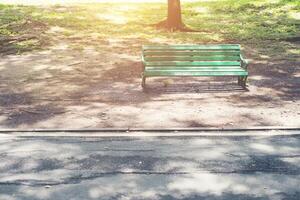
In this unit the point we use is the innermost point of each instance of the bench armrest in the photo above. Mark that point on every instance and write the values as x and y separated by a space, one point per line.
143 62
244 61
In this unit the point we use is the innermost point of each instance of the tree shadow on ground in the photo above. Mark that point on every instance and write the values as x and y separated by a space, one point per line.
230 196
151 168
117 84
22 109
93 69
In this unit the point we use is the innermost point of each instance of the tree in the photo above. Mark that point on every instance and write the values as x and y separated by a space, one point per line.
174 20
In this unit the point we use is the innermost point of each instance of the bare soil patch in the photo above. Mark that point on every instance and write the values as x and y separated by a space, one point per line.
95 88
86 71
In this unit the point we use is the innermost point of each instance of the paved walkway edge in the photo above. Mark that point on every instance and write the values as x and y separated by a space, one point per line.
257 128
163 132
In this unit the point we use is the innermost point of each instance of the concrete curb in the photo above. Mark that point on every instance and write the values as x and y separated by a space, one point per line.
171 132
194 129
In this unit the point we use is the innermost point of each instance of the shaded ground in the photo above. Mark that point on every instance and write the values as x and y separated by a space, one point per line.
156 168
79 67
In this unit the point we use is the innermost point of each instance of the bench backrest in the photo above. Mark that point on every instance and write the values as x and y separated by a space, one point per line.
208 55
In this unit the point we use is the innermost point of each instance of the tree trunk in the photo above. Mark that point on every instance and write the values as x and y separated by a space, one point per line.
174 20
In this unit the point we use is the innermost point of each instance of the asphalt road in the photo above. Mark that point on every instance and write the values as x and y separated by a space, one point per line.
150 168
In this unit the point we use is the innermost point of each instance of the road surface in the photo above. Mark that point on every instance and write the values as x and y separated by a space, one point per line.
149 167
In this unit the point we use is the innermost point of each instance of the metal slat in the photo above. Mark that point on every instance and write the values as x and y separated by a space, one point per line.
184 67
196 63
193 69
193 47
186 73
193 58
191 53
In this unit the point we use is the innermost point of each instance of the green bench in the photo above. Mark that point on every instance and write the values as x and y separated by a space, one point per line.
194 60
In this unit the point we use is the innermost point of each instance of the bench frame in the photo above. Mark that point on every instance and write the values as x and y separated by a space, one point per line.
242 80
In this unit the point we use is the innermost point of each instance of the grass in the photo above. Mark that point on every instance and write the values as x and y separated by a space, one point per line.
249 20
19 30
265 25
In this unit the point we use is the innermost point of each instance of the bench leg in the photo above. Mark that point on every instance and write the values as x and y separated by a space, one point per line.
143 81
242 81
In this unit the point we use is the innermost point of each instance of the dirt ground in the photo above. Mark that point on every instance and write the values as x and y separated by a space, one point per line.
94 82
96 88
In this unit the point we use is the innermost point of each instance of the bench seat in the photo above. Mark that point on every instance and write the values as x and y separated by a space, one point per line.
194 60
